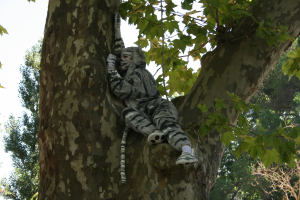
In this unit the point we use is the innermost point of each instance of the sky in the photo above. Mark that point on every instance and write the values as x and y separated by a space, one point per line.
25 24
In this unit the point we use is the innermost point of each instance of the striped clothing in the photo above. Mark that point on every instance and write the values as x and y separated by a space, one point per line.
146 110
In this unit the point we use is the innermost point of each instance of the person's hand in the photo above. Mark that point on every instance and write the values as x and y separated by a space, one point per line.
111 59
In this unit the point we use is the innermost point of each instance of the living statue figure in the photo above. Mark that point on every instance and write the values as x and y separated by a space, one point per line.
146 111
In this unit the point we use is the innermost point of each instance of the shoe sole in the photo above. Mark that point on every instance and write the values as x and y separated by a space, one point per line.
156 138
186 163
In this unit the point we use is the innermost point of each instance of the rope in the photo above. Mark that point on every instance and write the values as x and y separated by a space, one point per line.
162 53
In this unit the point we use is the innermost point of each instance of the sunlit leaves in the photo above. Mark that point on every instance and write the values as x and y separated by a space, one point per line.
292 66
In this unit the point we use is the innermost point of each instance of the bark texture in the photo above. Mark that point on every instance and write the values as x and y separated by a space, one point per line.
80 128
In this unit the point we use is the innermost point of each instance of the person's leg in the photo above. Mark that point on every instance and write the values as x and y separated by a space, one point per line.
168 124
176 137
140 122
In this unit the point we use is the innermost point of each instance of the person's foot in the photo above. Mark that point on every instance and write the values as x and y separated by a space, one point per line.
186 158
156 137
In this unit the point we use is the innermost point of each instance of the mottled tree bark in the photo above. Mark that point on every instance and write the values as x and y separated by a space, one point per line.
80 126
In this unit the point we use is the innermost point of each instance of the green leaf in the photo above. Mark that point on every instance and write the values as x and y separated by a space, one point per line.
289 147
179 44
271 40
203 129
241 13
269 157
219 103
219 128
186 39
277 144
261 129
125 7
286 158
244 146
3 30
136 1
260 151
203 108
234 97
155 32
223 119
255 108
187 4
268 140
242 120
250 140
253 152
171 26
295 132
142 42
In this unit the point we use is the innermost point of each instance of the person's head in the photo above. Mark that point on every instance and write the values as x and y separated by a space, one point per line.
126 59
131 59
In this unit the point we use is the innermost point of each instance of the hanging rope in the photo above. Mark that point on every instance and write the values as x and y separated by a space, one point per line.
162 53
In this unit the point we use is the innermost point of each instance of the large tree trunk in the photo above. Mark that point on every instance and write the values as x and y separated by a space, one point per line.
80 127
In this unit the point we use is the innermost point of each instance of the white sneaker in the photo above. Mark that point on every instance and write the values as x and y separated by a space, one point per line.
186 158
156 137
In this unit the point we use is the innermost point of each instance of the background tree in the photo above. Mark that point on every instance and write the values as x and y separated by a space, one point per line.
80 127
283 179
21 135
277 97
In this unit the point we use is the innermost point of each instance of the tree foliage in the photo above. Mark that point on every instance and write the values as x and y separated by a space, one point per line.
202 22
278 100
21 135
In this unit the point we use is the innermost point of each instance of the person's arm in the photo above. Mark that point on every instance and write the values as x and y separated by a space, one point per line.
130 89
119 44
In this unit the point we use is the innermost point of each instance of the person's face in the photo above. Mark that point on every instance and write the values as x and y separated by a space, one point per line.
126 58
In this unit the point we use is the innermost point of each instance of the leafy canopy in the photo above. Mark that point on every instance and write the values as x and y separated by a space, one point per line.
189 31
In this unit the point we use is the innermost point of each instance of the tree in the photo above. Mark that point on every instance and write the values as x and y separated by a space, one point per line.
277 97
21 135
80 128
283 179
